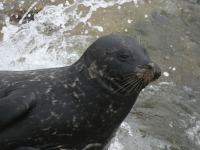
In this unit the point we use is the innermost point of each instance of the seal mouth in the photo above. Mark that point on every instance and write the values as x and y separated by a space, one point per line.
136 81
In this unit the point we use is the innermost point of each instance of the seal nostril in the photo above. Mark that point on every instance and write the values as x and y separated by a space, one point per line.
157 75
151 65
157 72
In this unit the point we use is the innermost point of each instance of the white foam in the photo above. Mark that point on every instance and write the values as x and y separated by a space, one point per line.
46 41
136 140
99 28
193 133
116 145
1 6
127 127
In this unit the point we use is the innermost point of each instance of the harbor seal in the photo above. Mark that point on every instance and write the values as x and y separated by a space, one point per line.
78 107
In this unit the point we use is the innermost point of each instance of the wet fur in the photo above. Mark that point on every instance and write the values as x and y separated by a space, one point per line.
73 107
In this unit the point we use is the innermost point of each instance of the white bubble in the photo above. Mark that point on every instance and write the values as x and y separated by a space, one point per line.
171 124
119 7
22 2
100 29
166 74
129 21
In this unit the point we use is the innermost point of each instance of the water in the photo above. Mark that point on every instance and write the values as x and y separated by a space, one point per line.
48 39
166 115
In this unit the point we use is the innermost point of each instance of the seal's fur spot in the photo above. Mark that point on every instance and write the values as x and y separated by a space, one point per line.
76 107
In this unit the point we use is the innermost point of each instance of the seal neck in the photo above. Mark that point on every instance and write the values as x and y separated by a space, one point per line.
101 100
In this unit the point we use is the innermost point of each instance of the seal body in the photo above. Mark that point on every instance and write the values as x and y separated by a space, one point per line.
76 107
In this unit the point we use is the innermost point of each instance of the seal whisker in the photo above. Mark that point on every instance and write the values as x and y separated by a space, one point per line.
127 85
134 86
128 89
143 84
128 80
121 84
138 88
131 88
131 85
124 86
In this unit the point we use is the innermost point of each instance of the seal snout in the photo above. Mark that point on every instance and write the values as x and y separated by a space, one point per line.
149 72
155 69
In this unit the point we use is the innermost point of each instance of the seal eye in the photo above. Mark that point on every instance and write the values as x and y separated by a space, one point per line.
123 57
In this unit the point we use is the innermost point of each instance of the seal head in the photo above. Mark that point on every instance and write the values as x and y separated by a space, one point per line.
120 64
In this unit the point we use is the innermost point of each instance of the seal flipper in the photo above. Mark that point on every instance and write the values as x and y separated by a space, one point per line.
14 105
